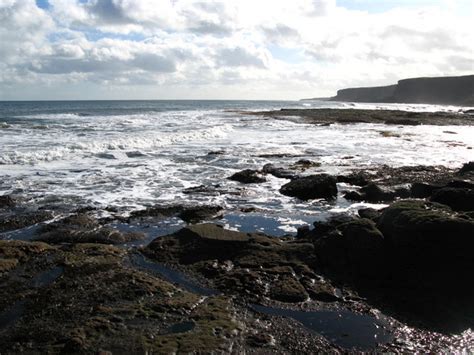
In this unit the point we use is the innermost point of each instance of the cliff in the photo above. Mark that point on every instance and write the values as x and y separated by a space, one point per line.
456 90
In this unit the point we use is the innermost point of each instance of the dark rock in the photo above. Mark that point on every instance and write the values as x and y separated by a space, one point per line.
247 176
357 178
238 262
288 289
311 187
353 249
429 248
458 199
461 184
7 201
320 290
216 152
467 167
278 172
374 193
23 219
422 190
328 226
82 228
205 189
135 154
370 213
404 122
189 214
305 164
302 231
424 224
354 196
199 213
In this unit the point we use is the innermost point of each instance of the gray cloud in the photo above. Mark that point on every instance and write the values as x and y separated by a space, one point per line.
280 32
143 61
108 11
238 56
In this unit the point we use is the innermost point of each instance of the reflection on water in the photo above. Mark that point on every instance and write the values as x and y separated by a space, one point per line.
343 328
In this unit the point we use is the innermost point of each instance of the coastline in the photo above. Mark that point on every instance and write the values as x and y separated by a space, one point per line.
68 271
321 116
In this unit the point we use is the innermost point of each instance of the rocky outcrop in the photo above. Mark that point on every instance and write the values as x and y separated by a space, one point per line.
82 228
249 264
247 176
311 187
457 90
189 214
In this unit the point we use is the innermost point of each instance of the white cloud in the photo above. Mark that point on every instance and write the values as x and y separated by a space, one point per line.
246 48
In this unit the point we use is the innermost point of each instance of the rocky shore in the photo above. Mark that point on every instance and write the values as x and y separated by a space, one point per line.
389 117
393 279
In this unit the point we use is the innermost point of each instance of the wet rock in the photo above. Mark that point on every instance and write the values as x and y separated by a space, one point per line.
216 152
423 190
189 214
260 340
428 251
6 201
302 231
320 290
242 263
22 251
99 302
278 172
457 198
354 196
359 178
404 122
305 164
370 213
371 193
135 154
461 184
203 189
7 265
200 213
288 289
311 187
466 168
424 224
322 228
19 219
247 176
354 249
82 228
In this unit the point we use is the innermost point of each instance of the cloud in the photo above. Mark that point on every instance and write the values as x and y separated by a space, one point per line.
266 48
239 56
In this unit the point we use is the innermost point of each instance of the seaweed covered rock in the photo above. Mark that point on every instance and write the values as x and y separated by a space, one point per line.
239 262
311 187
82 228
425 224
189 214
86 298
459 199
21 219
6 201
354 249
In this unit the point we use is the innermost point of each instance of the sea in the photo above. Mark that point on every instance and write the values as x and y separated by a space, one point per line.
120 156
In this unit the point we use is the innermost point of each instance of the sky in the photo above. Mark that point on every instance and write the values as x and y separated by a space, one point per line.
242 49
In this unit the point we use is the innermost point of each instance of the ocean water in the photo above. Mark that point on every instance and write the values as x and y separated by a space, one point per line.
127 155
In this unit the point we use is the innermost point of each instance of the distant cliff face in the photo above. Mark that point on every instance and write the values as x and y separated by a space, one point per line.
456 90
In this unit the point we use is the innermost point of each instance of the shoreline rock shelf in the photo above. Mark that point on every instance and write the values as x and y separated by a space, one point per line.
74 291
